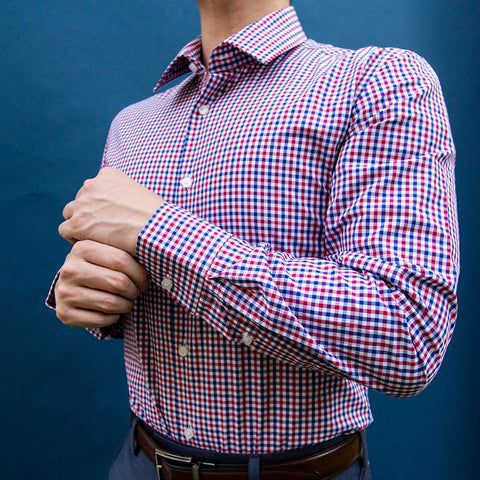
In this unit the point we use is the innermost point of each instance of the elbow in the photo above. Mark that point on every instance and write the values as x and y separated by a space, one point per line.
405 387
428 333
419 365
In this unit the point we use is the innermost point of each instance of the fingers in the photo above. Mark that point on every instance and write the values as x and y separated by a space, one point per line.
112 259
90 299
68 210
96 284
85 318
99 278
78 306
65 228
65 233
111 208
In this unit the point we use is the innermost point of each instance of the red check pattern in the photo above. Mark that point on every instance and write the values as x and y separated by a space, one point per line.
312 251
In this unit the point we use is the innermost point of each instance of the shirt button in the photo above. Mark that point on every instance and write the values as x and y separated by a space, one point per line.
203 110
193 68
183 351
167 284
247 339
189 433
187 182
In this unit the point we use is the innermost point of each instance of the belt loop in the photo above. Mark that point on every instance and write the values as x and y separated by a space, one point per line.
254 467
195 471
365 462
135 446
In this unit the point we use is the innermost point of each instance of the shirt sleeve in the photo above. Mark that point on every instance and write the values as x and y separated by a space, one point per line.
380 306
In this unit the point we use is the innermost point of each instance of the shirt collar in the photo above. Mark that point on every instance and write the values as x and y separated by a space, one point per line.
263 41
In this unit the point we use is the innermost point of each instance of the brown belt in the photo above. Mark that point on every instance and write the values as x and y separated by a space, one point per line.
322 465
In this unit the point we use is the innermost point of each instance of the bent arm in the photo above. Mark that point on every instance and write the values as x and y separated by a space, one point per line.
380 306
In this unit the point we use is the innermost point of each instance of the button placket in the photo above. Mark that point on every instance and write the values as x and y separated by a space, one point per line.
208 93
201 109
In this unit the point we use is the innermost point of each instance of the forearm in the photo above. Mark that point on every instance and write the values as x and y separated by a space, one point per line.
347 314
377 301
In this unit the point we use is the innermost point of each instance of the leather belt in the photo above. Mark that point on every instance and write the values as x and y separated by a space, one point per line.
324 465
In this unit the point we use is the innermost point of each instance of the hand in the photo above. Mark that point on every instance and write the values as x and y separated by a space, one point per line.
111 209
97 283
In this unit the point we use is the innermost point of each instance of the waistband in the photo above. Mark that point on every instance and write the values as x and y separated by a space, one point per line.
176 461
196 453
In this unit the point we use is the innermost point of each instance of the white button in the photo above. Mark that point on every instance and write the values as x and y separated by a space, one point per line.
189 433
247 339
187 182
204 109
183 351
167 283
193 68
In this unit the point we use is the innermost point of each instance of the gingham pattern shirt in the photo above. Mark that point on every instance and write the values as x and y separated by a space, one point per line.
308 245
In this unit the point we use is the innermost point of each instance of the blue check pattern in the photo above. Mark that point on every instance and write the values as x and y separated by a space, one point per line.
307 249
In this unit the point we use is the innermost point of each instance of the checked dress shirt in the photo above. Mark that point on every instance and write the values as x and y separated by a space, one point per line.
307 249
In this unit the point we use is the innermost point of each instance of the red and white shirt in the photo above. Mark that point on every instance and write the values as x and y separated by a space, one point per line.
308 248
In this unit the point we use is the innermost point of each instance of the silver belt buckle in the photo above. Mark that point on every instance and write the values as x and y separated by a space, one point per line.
159 454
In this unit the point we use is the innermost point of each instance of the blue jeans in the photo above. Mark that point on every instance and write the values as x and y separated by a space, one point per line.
132 464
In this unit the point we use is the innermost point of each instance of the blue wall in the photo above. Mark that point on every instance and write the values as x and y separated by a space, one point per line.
66 69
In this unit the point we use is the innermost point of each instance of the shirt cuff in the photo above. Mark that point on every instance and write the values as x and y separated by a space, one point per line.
50 300
178 250
112 332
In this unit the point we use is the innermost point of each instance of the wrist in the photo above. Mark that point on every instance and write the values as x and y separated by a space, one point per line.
148 209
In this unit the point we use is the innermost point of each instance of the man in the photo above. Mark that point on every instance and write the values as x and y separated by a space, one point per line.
271 237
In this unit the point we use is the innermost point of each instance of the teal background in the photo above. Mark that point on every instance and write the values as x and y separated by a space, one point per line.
66 68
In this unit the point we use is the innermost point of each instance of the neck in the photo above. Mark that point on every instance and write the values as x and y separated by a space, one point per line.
222 18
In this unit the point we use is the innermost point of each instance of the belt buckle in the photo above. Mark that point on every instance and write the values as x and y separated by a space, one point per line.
159 454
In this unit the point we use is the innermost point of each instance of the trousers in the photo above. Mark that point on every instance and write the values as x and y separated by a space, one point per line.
131 463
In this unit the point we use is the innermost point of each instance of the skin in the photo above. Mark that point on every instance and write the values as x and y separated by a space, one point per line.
101 278
97 283
222 18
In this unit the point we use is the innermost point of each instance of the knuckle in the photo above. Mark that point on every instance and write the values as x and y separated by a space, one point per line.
59 292
75 251
109 304
103 320
79 249
68 269
88 184
65 276
77 222
63 314
120 260
121 283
